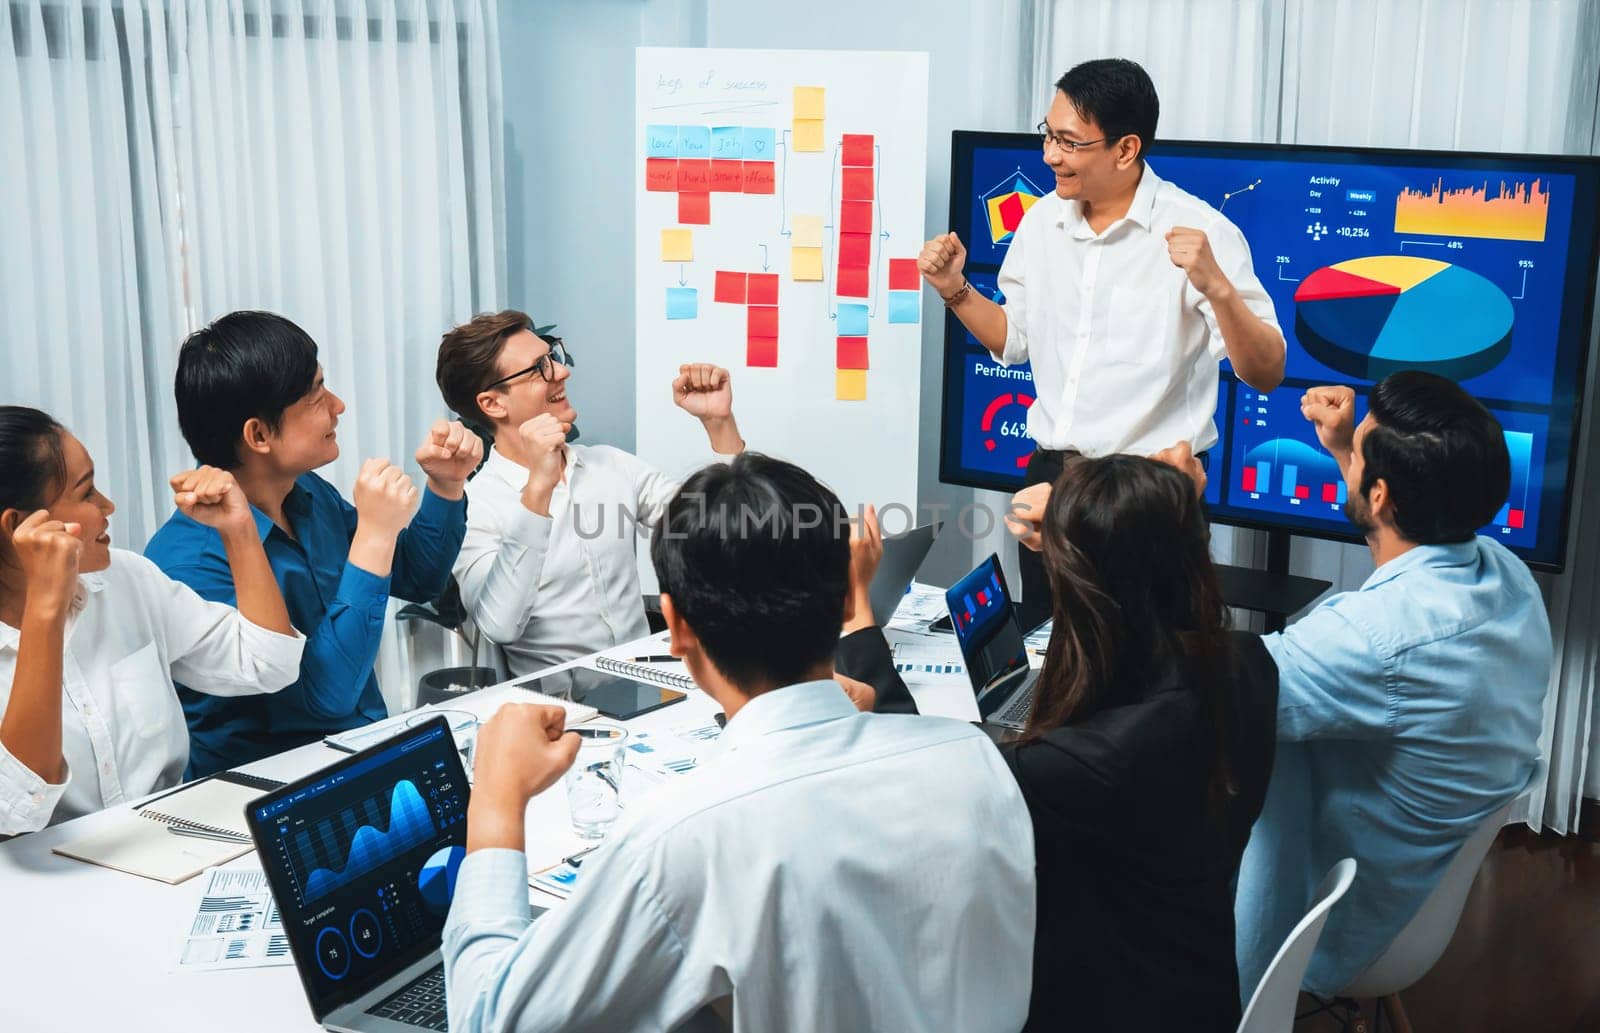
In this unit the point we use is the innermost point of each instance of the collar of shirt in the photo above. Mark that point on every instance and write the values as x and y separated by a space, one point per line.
88 584
515 474
1453 554
296 503
1140 210
793 706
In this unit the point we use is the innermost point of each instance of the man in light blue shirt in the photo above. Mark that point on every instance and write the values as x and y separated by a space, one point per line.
824 870
1408 710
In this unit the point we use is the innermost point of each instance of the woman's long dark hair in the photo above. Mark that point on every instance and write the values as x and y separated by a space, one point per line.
31 462
1128 551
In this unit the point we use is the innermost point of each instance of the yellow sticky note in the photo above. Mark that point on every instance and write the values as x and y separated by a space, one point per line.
850 385
806 230
809 102
677 245
807 134
805 263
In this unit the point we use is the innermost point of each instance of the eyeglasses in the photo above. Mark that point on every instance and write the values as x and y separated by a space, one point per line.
1046 138
545 366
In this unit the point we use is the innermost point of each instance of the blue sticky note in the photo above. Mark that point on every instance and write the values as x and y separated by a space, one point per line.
661 141
683 303
905 306
852 320
694 141
727 142
758 144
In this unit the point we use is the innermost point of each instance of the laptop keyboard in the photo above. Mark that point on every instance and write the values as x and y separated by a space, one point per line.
1015 713
419 1003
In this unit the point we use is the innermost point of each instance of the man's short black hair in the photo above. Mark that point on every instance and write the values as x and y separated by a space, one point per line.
246 364
1117 95
1442 454
756 557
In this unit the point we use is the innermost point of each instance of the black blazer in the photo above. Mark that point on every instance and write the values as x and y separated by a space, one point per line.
865 656
1137 855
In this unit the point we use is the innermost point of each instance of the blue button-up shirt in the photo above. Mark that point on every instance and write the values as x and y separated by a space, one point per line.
339 608
1408 711
827 869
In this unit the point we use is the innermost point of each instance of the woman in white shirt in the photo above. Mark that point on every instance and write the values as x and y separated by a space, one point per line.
91 638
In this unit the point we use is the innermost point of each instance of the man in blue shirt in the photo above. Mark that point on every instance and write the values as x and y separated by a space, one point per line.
823 869
251 399
1408 710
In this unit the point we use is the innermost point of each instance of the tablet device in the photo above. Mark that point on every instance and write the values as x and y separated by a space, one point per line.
614 695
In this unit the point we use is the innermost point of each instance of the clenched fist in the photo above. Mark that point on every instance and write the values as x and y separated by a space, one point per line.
448 456
212 497
385 498
703 391
942 262
48 551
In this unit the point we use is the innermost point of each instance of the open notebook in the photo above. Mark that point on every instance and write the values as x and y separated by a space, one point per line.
141 841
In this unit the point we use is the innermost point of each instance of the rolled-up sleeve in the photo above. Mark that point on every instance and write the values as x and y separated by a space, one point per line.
211 647
26 800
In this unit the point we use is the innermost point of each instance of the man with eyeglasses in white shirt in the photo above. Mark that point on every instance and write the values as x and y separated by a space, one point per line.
547 566
1122 290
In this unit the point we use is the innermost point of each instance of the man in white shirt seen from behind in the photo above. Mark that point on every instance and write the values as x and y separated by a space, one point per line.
822 869
547 567
1122 290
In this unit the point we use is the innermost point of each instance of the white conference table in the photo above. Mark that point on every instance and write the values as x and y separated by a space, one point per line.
86 948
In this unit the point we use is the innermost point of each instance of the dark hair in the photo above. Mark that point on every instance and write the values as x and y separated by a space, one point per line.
756 556
1128 552
32 465
1442 454
1117 95
244 365
468 357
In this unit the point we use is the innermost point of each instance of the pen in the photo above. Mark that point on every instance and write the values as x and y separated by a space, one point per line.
653 659
577 859
597 733
177 830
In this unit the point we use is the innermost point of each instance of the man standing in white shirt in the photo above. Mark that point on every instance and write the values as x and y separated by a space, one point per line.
1122 290
798 878
547 567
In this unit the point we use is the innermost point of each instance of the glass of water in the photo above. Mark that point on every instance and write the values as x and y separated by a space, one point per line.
594 782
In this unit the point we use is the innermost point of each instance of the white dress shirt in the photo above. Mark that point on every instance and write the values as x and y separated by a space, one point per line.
552 588
1124 350
131 631
827 869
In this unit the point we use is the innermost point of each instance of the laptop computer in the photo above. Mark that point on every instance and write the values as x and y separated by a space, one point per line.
985 623
362 859
902 555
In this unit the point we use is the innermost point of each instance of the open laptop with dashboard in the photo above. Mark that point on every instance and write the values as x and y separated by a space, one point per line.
362 859
985 622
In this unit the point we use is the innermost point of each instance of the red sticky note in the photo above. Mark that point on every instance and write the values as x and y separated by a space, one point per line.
852 282
759 178
694 208
903 275
857 149
855 185
761 351
727 177
694 174
852 353
661 173
855 250
761 321
855 217
729 288
763 289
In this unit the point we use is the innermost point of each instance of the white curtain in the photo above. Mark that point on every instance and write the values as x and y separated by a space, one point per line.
1491 75
336 161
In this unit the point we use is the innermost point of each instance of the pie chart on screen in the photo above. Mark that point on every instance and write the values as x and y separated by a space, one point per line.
1369 317
437 880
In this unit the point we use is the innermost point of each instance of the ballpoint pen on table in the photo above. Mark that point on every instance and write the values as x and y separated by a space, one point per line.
221 837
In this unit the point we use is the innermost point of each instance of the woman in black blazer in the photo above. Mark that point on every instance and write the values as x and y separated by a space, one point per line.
1145 759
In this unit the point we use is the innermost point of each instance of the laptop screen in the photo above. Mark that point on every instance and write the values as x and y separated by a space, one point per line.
362 859
986 627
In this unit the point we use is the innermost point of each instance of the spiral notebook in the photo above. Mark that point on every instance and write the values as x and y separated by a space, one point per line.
651 673
140 841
